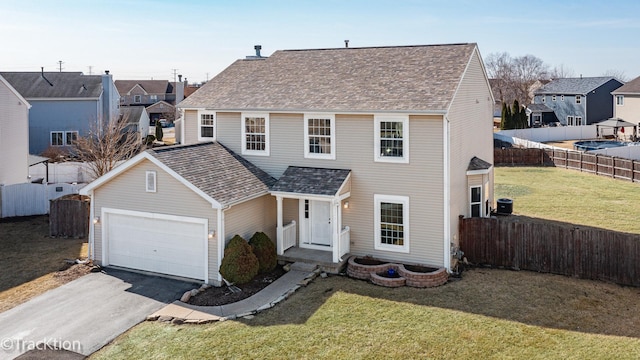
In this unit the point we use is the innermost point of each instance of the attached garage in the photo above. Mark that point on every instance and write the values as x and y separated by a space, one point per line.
165 244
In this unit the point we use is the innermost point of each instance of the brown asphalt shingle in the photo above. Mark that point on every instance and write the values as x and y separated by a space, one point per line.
216 170
418 78
632 87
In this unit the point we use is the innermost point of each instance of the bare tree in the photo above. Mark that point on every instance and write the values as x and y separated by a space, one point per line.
513 77
618 74
102 149
561 72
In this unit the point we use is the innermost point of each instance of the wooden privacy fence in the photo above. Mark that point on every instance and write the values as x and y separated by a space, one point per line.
610 166
558 248
69 216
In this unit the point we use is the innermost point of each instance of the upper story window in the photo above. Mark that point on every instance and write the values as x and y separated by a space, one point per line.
544 99
57 138
578 99
206 125
553 98
150 181
137 99
153 98
620 100
70 137
319 136
561 97
391 223
255 134
391 138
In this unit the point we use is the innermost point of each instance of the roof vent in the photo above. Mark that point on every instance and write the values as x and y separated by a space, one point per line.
258 48
257 55
346 43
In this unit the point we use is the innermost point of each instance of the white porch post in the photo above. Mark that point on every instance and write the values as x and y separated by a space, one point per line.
335 230
280 234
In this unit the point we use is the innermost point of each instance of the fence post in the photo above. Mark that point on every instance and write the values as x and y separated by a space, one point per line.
596 164
613 167
566 159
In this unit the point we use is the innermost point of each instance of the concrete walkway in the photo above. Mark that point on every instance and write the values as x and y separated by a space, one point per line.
179 312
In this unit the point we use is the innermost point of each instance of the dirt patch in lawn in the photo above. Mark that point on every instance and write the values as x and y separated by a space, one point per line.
31 260
216 296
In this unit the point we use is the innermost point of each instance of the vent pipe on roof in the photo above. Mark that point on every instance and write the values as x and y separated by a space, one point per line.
106 72
42 73
346 43
180 78
258 48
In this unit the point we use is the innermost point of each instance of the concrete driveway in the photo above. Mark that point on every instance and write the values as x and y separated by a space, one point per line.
86 314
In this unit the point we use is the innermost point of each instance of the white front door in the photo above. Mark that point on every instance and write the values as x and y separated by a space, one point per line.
320 222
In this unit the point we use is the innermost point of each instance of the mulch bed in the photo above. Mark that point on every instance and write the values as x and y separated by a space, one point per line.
216 296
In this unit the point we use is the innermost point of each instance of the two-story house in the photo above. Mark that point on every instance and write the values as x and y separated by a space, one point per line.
626 102
367 151
64 105
576 101
159 97
14 135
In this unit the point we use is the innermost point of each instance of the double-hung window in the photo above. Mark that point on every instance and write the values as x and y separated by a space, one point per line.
391 223
57 138
578 121
70 137
137 99
578 99
476 201
620 100
206 125
569 120
391 138
319 136
255 134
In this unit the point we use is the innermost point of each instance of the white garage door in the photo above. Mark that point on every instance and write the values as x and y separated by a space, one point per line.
159 243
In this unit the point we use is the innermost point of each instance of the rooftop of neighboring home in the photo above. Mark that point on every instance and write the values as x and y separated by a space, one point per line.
413 78
151 87
539 108
131 114
632 87
36 85
571 86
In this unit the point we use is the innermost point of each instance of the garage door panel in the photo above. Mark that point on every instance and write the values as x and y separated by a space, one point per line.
158 244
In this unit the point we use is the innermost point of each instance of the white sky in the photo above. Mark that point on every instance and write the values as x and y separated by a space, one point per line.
144 39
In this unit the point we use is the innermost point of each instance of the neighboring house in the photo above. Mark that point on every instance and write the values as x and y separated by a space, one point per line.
541 115
366 151
158 96
65 105
14 135
137 119
626 101
579 101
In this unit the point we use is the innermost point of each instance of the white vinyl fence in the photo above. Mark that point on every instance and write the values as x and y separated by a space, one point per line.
63 172
559 133
32 199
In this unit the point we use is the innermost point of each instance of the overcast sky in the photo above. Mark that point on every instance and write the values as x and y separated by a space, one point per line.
145 39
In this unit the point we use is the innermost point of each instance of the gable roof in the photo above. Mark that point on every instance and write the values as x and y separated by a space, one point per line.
211 170
412 78
632 87
161 104
478 166
539 108
311 181
572 86
150 86
15 92
33 85
131 114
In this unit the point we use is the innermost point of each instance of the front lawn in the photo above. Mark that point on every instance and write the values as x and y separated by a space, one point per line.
571 196
30 259
489 314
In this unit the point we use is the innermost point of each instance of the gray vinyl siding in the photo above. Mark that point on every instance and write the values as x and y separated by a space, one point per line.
190 124
421 179
14 138
249 217
127 191
471 133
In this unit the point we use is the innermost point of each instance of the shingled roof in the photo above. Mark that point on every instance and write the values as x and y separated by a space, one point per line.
150 86
311 181
632 87
216 170
416 78
572 86
35 85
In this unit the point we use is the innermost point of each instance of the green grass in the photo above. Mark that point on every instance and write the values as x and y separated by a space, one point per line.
571 196
490 314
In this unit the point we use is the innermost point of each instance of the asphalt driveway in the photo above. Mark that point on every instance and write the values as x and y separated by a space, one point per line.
87 313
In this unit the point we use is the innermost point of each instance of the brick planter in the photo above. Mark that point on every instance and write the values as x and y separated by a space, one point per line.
388 281
424 279
363 272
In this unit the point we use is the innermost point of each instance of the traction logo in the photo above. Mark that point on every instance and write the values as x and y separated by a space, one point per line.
21 345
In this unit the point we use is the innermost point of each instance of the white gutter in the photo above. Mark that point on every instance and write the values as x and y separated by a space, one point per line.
446 194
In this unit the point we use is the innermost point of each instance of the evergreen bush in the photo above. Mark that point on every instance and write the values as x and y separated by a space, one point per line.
265 251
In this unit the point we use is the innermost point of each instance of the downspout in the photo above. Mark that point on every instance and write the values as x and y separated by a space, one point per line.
446 194
220 236
92 211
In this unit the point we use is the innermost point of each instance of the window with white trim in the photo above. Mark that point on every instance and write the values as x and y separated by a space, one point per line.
620 100
578 99
137 99
255 134
475 201
153 98
206 125
553 98
569 120
319 136
57 138
70 137
578 121
561 97
391 223
391 138
151 181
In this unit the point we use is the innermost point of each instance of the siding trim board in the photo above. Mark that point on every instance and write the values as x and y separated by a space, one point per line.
328 111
